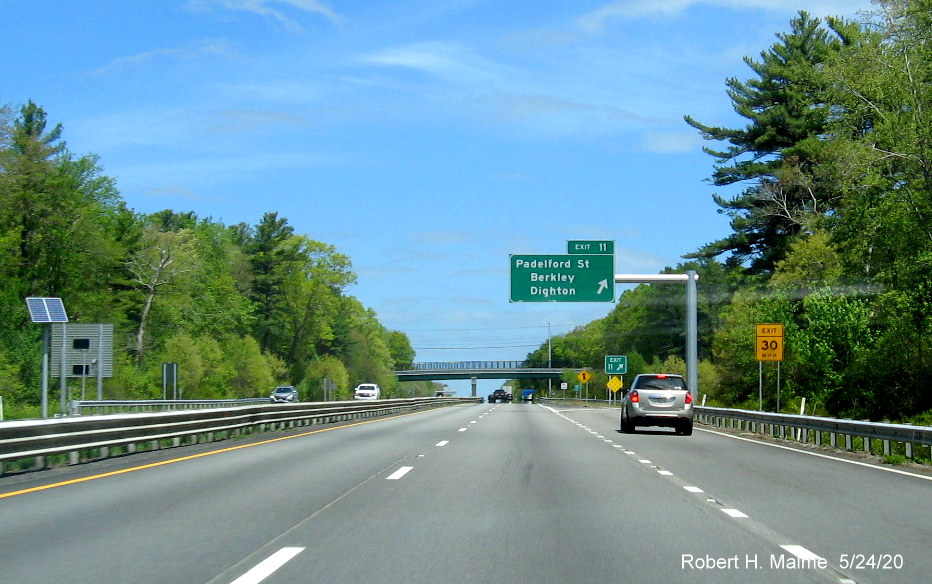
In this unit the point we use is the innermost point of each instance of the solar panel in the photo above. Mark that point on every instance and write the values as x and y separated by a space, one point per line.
45 310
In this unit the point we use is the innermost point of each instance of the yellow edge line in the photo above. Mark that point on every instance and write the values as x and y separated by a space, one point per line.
190 457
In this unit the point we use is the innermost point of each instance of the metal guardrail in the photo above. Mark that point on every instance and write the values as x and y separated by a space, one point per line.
93 437
815 429
84 407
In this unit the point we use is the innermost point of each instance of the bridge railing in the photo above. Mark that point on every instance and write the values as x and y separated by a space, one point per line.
463 365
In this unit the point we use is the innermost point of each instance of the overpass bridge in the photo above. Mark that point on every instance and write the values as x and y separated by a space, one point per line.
444 370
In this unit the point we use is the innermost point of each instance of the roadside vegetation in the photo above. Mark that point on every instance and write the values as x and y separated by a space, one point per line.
831 231
241 308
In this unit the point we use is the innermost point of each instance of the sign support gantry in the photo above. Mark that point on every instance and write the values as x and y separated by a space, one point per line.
690 278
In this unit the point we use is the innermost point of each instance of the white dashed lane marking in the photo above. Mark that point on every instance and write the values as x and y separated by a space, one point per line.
801 552
399 473
266 567
442 443
797 550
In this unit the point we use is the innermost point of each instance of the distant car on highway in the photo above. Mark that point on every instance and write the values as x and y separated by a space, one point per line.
284 394
367 391
500 396
658 399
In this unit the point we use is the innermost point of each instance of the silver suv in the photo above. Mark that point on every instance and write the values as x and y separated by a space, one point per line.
658 399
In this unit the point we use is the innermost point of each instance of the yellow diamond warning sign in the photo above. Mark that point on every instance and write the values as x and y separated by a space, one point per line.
614 383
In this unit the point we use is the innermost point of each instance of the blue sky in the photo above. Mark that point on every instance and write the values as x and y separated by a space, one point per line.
426 139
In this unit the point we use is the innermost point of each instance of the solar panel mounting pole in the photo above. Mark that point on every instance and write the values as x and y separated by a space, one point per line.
46 311
46 334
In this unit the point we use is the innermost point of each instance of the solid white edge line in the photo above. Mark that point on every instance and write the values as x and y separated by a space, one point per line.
399 473
266 567
442 443
820 455
801 552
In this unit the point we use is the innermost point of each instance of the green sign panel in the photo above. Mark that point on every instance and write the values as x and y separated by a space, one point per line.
562 278
591 247
616 364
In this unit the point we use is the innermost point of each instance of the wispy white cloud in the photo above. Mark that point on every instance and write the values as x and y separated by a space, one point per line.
189 52
594 21
241 120
446 61
535 106
672 142
267 8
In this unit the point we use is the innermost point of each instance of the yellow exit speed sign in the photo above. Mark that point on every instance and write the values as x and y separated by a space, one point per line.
769 342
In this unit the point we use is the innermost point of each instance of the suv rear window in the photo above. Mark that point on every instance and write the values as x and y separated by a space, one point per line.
661 382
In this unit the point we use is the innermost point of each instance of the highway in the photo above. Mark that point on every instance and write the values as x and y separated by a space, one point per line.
505 493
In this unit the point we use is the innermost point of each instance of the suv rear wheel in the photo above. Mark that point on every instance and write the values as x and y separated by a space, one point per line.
626 426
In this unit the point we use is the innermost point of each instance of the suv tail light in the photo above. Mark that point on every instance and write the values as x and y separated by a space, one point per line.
689 397
634 396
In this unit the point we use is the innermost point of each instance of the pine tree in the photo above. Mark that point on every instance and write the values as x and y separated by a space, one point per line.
788 112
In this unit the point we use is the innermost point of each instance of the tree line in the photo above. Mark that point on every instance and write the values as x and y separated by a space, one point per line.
831 229
241 308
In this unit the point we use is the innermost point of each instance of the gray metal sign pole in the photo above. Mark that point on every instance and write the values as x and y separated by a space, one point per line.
46 336
63 375
692 319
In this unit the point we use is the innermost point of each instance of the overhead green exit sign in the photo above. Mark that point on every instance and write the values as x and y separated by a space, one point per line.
562 278
600 247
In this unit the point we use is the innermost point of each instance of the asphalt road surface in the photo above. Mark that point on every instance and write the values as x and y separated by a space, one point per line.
506 493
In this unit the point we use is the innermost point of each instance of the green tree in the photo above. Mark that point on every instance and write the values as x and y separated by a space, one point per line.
329 368
272 257
399 347
213 300
254 373
312 287
788 110
882 141
811 262
163 258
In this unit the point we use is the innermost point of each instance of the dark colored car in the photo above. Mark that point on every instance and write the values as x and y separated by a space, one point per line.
658 399
500 396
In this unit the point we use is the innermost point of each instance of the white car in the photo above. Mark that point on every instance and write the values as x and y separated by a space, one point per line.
367 391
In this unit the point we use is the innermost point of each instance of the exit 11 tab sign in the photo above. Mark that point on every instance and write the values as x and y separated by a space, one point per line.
562 278
601 247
